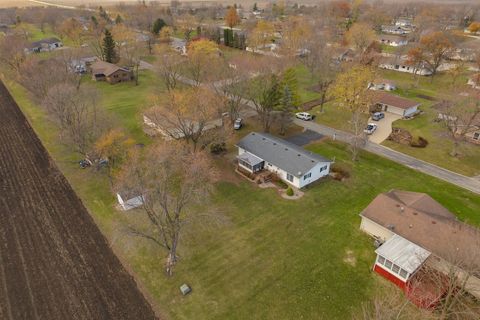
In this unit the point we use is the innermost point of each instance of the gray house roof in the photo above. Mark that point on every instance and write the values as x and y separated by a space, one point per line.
283 154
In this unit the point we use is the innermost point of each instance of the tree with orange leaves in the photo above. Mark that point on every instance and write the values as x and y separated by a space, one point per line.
231 18
433 50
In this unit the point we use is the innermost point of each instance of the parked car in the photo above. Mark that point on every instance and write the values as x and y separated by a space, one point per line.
304 116
371 127
378 116
238 124
85 163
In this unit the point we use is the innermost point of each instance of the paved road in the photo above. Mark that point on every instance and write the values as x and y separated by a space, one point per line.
462 181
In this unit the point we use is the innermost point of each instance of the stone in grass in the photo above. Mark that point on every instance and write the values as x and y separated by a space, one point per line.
185 289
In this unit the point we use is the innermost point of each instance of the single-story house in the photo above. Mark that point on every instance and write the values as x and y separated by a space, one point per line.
392 40
293 164
403 65
472 132
474 81
81 65
104 71
382 84
395 104
404 22
179 45
47 44
392 29
417 233
128 200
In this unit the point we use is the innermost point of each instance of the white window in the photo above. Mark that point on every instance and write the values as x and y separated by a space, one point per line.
396 268
403 273
476 136
388 264
289 177
381 260
308 175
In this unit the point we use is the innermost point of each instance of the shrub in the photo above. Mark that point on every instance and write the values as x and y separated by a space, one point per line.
339 173
217 148
289 192
419 142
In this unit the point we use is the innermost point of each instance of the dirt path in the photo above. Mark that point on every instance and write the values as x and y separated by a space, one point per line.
54 262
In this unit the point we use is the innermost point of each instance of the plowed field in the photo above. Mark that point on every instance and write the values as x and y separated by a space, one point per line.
54 262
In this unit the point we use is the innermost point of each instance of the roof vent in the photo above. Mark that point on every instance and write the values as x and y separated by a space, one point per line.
434 222
274 143
264 139
415 213
390 226
402 209
410 226
398 206
286 149
299 155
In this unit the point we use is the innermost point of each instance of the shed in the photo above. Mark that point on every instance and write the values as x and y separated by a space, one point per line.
129 201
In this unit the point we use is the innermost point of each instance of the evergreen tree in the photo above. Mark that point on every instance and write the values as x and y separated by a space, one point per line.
118 19
108 50
289 80
94 21
158 25
226 37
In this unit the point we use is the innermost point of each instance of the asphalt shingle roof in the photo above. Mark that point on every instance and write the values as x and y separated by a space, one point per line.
282 154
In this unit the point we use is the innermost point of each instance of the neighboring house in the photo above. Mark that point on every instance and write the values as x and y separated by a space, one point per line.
382 84
474 81
395 104
179 45
392 40
47 44
392 29
109 72
418 231
402 65
81 65
344 54
129 201
169 131
404 22
293 164
465 51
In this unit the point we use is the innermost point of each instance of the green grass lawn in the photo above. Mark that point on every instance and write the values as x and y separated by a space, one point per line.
437 152
125 101
272 258
305 83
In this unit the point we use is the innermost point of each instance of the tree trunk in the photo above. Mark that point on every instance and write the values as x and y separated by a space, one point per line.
172 257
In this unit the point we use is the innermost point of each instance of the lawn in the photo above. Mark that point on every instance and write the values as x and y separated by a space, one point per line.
274 258
437 152
305 83
125 101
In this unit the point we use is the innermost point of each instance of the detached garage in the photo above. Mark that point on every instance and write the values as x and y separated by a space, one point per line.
394 104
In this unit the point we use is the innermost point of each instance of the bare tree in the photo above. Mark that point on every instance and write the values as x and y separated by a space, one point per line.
187 115
460 118
264 93
12 52
169 66
77 114
174 183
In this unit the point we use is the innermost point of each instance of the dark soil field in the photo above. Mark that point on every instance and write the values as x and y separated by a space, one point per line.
54 262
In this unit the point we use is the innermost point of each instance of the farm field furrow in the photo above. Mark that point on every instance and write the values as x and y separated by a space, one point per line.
54 262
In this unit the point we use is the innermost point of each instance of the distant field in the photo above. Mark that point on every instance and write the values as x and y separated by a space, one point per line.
86 3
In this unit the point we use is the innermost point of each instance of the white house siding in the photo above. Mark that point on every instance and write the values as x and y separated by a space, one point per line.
298 183
400 111
405 68
316 174
375 230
